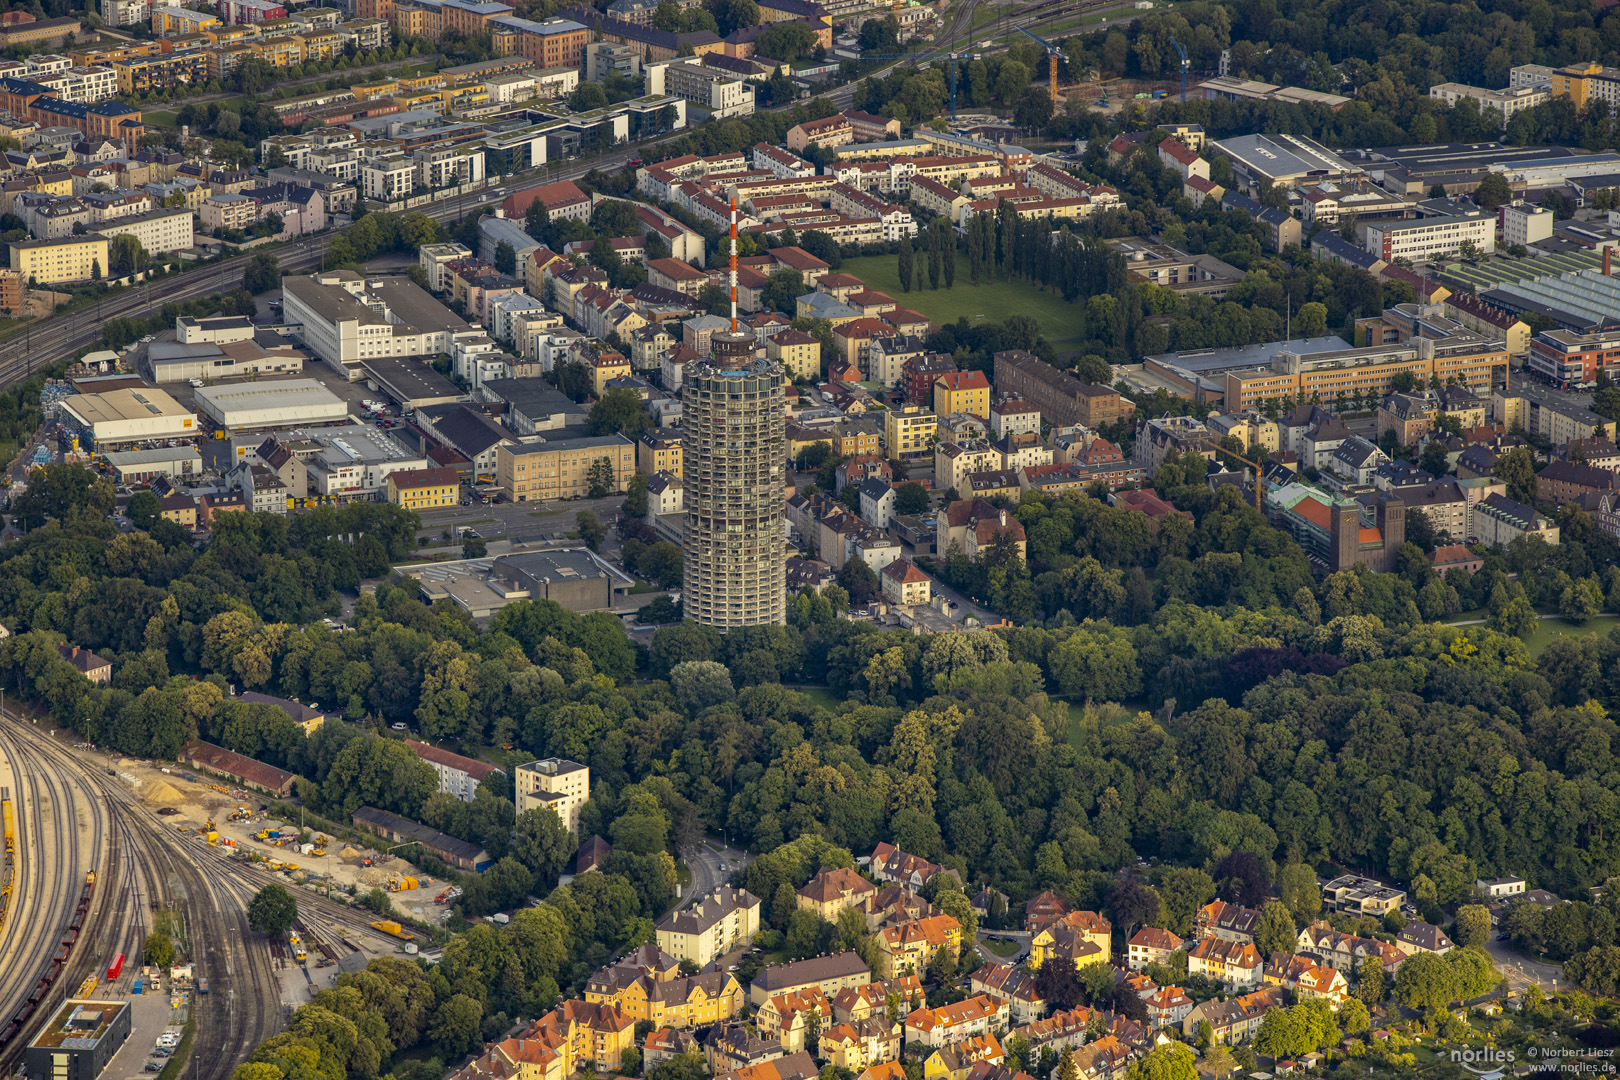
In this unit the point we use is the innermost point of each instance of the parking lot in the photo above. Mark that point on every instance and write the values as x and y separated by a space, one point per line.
151 1018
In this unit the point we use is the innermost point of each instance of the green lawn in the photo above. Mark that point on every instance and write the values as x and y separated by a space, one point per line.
1110 712
820 695
1001 946
993 302
1547 630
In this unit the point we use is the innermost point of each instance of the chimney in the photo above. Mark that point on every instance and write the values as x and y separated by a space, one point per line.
1607 253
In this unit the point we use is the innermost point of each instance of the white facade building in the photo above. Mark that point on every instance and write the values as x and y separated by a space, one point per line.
1428 238
1523 224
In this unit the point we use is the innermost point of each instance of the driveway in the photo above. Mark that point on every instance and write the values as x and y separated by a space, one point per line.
964 606
1020 937
1522 971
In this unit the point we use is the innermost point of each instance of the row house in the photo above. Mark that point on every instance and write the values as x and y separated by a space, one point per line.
860 1044
950 1024
1345 952
955 1061
954 170
1013 985
939 198
781 162
829 974
1059 477
700 1000
1232 962
856 203
874 999
1108 1058
1060 1031
1235 1020
887 177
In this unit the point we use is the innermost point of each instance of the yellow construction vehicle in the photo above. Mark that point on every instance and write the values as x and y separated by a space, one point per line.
299 952
393 929
402 884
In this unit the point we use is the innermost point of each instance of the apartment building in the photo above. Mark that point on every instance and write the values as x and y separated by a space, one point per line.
458 776
67 258
1431 237
555 783
564 469
724 920
550 43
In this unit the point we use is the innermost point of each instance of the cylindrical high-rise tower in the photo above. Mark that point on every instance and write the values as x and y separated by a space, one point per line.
735 467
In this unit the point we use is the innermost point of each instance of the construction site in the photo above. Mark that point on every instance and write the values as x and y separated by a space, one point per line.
238 820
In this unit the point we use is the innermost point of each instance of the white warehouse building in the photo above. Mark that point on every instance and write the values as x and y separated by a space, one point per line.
348 319
279 404
126 417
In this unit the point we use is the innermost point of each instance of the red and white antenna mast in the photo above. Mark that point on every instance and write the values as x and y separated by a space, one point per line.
733 262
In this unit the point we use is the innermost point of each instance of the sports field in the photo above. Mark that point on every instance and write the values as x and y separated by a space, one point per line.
993 302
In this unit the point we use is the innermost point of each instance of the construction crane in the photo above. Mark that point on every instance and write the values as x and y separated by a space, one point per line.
1053 55
1183 53
1258 483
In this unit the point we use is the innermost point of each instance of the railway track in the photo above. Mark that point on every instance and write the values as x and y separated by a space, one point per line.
146 863
50 939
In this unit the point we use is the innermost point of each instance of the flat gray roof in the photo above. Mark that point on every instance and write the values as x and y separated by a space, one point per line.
584 442
531 397
1283 155
282 394
129 458
1214 361
410 380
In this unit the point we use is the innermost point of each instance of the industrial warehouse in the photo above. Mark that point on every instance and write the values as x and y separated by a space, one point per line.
124 417
79 1042
175 361
576 578
255 406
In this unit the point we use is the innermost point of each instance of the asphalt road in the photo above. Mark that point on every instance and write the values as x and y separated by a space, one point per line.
1521 972
704 861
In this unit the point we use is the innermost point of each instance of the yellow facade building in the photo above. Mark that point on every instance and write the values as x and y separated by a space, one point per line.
907 948
799 353
67 258
564 469
962 391
660 450
424 489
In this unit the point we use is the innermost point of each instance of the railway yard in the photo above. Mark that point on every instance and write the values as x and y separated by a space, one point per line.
89 864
